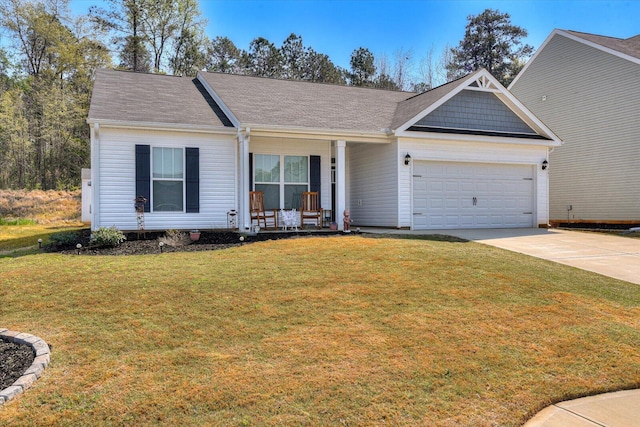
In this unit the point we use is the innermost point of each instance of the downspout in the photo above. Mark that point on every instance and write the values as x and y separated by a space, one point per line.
549 151
95 173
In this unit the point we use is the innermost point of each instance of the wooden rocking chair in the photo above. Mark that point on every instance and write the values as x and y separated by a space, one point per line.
310 208
258 212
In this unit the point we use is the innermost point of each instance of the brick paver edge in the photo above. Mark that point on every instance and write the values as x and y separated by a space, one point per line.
42 354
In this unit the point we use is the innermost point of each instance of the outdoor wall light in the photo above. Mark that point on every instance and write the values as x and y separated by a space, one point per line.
545 165
407 159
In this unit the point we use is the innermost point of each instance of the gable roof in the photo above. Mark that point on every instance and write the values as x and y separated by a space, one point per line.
124 96
415 111
628 49
264 101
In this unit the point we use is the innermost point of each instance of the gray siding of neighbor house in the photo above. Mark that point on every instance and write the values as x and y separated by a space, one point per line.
591 100
474 110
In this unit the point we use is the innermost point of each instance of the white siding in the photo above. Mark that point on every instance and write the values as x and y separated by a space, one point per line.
473 153
592 99
373 189
117 183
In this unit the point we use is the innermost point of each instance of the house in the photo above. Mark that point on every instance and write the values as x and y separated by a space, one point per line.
467 154
587 89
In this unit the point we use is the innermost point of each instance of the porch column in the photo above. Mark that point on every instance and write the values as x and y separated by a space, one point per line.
341 185
244 220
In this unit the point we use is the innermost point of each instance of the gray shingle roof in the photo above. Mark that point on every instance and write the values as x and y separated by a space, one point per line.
630 46
265 101
151 98
256 101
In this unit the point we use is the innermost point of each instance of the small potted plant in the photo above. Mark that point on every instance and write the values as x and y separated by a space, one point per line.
195 235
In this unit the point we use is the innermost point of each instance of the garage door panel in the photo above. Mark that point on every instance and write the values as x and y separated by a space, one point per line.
483 221
464 220
466 195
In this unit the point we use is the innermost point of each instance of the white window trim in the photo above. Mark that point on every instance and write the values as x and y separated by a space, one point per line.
183 179
281 183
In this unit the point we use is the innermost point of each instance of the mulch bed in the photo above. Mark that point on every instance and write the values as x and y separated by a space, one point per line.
148 243
14 360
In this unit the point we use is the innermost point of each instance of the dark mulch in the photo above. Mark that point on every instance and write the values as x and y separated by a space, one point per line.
14 360
148 243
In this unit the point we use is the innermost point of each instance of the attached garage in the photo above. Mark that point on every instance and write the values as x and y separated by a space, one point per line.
448 195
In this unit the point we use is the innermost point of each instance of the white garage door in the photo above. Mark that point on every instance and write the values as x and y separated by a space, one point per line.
472 195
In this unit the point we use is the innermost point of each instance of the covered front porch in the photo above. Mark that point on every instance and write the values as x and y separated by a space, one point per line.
282 166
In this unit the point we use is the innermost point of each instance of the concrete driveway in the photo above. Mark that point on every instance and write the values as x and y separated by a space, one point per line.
606 254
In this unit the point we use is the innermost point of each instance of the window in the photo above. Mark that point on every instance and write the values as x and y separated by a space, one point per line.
282 186
168 179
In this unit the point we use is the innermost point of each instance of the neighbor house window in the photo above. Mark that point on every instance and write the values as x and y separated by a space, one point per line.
282 186
168 179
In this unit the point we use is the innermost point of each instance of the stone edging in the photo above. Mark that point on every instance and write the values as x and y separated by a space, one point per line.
40 362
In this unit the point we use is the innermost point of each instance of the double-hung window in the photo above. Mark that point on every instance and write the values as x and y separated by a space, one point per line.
282 179
168 179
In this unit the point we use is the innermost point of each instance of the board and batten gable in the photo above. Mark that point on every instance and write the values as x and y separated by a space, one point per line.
474 110
116 151
591 99
373 189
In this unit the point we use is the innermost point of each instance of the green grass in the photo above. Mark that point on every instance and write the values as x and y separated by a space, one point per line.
317 331
13 237
17 221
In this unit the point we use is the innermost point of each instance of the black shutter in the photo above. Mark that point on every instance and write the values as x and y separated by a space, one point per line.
250 171
192 175
143 174
314 174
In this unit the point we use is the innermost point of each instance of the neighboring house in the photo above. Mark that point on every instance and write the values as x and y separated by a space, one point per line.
467 154
587 89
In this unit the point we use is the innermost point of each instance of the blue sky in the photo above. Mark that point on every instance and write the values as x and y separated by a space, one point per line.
337 27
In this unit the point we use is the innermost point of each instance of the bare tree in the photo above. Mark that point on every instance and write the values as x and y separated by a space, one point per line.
403 62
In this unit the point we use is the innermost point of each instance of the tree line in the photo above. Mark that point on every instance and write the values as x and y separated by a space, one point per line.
48 59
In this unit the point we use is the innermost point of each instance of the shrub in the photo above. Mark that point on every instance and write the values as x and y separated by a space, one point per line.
64 238
107 237
175 238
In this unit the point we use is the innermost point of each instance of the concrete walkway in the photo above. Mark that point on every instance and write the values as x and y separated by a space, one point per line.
609 255
619 409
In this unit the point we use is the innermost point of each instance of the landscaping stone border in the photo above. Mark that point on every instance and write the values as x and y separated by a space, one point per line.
40 362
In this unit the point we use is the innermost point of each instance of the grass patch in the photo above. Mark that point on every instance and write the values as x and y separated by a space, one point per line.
26 236
26 216
17 221
317 331
42 207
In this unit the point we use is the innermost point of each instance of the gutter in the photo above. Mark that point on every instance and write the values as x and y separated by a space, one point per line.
320 133
164 126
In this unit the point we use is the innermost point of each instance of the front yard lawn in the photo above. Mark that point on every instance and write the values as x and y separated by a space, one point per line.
317 331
